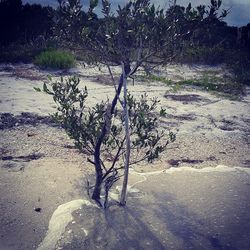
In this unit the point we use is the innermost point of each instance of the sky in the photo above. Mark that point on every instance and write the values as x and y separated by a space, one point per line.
239 9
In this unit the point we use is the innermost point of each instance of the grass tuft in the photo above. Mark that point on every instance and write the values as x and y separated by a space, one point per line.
228 88
216 84
55 59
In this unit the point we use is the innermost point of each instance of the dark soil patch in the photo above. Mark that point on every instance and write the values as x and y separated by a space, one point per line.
247 163
211 158
24 71
170 125
187 117
68 146
227 125
187 98
246 120
9 165
22 158
28 74
176 163
226 128
8 120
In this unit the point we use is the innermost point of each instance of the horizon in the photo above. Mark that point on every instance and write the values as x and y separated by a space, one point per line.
239 9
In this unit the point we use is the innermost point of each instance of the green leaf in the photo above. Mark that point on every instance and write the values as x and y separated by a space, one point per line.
188 8
37 89
163 112
46 90
219 3
93 4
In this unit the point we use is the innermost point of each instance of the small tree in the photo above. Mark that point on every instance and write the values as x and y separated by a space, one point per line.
86 126
116 132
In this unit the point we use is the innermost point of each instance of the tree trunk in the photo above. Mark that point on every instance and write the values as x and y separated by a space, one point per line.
97 154
96 195
127 132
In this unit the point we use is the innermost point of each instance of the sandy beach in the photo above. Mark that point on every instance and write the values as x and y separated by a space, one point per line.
40 169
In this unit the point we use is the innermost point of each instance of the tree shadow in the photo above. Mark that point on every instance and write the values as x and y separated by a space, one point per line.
157 222
187 228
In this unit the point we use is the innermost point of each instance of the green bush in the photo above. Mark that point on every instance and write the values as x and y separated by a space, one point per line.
15 53
203 55
239 64
55 59
219 85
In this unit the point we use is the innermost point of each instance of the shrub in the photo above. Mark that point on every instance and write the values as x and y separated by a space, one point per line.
211 83
85 125
239 64
203 55
55 59
15 53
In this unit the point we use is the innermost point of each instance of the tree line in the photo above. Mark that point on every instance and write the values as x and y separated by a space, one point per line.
24 23
28 23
